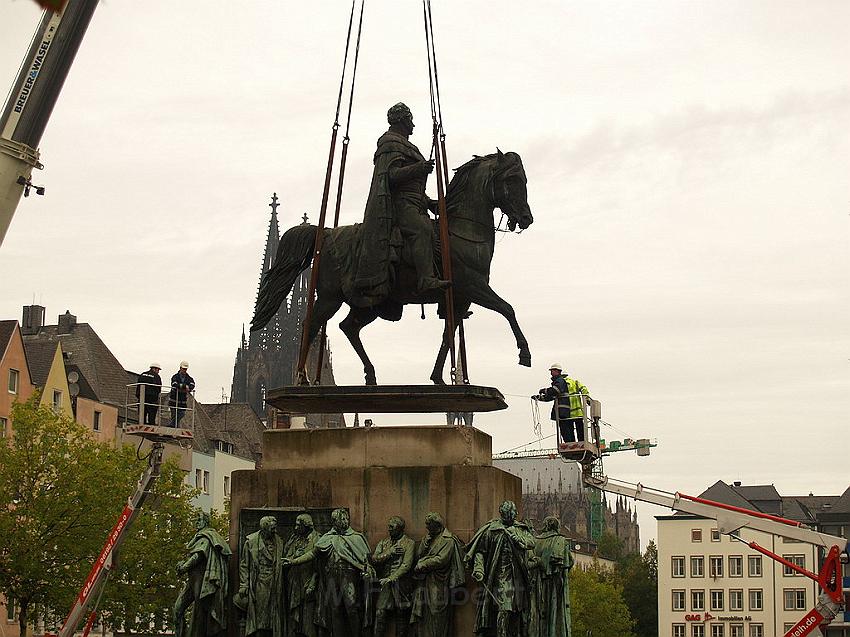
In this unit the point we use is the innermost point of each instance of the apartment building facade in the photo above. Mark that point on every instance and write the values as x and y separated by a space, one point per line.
711 585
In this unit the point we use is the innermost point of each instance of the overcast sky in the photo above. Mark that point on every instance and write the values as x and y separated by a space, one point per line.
687 169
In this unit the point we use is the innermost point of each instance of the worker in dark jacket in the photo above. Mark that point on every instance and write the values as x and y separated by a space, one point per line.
568 412
152 384
181 386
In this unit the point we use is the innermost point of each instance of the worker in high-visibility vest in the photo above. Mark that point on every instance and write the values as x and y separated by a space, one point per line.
568 408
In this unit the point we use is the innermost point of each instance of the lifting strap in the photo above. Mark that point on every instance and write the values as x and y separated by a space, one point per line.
346 139
317 249
439 150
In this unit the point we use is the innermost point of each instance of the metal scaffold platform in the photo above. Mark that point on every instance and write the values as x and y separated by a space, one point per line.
386 399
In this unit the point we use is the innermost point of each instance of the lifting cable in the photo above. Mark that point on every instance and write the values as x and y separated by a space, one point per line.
438 150
317 249
341 179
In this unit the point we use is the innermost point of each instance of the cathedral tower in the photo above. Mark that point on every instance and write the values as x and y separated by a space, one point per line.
267 358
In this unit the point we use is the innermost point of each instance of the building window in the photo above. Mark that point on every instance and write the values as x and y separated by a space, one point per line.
697 630
696 535
717 630
14 378
787 627
736 566
795 598
206 481
715 565
198 479
697 600
697 566
226 447
716 600
11 611
96 421
3 424
226 486
797 560
715 535
679 600
736 600
754 565
756 630
755 599
678 562
736 630
678 630
57 400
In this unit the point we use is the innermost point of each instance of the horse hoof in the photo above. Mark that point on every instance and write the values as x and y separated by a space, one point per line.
525 360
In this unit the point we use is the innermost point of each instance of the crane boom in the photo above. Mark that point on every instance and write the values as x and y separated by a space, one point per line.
100 570
730 519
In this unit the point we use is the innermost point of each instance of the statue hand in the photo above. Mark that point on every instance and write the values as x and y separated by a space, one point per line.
427 167
478 575
310 591
384 581
286 562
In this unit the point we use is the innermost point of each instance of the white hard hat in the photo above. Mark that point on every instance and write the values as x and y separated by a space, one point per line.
184 364
156 365
556 366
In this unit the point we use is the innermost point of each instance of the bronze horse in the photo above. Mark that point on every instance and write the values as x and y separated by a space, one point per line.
477 188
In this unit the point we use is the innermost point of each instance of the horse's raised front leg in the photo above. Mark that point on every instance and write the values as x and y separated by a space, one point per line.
357 319
486 297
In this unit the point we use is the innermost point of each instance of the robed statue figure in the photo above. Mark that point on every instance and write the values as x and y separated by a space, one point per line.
497 555
206 587
301 580
342 563
439 571
550 562
260 592
396 223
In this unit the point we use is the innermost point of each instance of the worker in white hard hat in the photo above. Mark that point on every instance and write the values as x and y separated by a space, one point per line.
567 411
181 386
151 383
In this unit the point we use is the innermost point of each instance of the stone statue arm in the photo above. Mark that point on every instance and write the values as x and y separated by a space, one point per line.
478 567
436 560
307 556
406 564
243 571
533 561
401 174
189 562
381 555
522 538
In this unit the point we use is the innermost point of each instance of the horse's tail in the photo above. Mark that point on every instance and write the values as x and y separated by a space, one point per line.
294 255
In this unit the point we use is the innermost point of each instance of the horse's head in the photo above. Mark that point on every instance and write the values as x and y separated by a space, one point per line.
491 181
508 183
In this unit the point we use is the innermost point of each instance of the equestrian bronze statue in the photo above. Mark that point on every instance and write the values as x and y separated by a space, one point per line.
377 267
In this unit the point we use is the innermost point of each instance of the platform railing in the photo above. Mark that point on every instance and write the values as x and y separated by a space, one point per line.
163 412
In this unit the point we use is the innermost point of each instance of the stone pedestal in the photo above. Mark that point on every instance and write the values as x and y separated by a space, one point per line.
375 473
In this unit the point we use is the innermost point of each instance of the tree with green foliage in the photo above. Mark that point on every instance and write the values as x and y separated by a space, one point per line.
142 588
60 495
597 605
610 547
638 576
